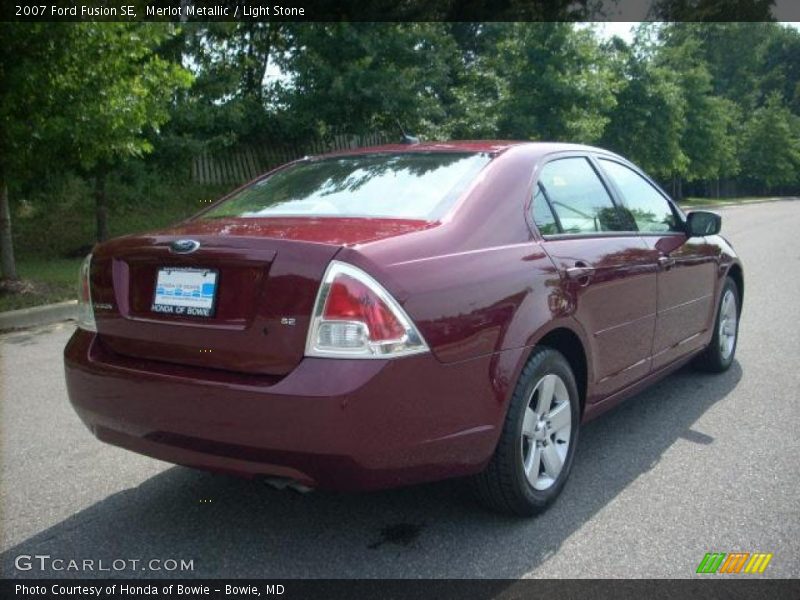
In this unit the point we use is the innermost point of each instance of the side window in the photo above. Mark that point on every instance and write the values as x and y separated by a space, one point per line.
649 208
579 198
542 215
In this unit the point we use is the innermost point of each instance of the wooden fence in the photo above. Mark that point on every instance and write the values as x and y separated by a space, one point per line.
239 165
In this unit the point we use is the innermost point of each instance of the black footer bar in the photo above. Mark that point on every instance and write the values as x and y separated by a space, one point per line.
707 588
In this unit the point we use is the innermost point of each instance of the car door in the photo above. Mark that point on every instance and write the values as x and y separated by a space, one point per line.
687 266
609 273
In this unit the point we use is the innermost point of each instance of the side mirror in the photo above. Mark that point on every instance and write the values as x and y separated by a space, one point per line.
702 222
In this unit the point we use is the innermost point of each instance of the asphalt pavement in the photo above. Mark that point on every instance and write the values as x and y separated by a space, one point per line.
698 463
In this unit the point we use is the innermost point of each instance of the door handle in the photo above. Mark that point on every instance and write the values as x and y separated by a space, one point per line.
581 272
666 262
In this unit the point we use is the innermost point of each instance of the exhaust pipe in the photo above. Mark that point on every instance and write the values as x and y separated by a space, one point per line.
281 483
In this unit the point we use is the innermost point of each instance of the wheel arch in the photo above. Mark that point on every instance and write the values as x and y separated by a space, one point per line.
735 272
569 343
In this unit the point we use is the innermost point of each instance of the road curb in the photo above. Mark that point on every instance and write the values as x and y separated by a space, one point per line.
38 315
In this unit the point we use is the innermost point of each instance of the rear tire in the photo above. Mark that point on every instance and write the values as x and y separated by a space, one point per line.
534 455
719 354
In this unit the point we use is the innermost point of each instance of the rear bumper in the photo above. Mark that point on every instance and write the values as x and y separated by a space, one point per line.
336 424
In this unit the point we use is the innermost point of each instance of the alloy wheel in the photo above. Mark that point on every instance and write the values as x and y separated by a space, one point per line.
546 430
727 325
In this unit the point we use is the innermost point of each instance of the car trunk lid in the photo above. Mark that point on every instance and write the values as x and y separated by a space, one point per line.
268 274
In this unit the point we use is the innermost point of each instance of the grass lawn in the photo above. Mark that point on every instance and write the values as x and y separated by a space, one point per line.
52 280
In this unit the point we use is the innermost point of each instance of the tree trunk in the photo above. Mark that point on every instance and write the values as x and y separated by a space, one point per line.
6 241
261 38
252 87
101 206
273 28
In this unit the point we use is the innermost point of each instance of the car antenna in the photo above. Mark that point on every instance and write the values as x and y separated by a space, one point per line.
407 139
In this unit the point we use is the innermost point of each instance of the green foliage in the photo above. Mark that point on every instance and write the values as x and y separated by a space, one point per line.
86 93
772 144
116 89
229 100
131 104
677 101
650 106
692 102
781 61
709 138
734 54
558 84
363 77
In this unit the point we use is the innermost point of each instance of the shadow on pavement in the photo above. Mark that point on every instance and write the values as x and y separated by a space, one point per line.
239 528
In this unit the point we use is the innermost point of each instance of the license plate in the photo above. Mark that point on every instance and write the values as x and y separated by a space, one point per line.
185 291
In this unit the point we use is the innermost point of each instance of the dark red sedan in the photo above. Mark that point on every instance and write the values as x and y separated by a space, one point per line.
402 314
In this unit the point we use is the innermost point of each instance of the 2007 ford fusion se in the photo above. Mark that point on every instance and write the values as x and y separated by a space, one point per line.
401 314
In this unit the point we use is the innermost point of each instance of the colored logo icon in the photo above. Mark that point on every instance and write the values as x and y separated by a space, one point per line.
734 562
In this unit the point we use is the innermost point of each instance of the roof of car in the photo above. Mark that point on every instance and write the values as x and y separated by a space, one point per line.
492 146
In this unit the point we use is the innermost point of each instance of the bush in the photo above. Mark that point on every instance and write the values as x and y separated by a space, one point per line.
56 217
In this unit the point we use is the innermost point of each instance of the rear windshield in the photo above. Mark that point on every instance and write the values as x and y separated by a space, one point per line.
402 186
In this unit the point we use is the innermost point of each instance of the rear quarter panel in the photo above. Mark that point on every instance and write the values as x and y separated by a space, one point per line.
479 283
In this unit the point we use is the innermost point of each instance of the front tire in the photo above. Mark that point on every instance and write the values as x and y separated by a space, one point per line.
718 356
534 456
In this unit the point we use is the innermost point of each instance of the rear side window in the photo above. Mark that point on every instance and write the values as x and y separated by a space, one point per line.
650 210
580 200
413 185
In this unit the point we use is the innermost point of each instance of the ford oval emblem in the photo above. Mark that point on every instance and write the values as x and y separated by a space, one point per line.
184 246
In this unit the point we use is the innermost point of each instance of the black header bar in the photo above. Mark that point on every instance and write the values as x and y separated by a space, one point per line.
400 10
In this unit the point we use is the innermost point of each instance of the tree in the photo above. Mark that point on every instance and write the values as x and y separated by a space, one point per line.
559 85
87 94
709 139
114 90
771 150
748 61
364 77
29 51
231 99
9 265
734 53
473 86
781 56
648 122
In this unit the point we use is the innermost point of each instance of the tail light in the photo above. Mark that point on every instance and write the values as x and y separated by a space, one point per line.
85 309
355 317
